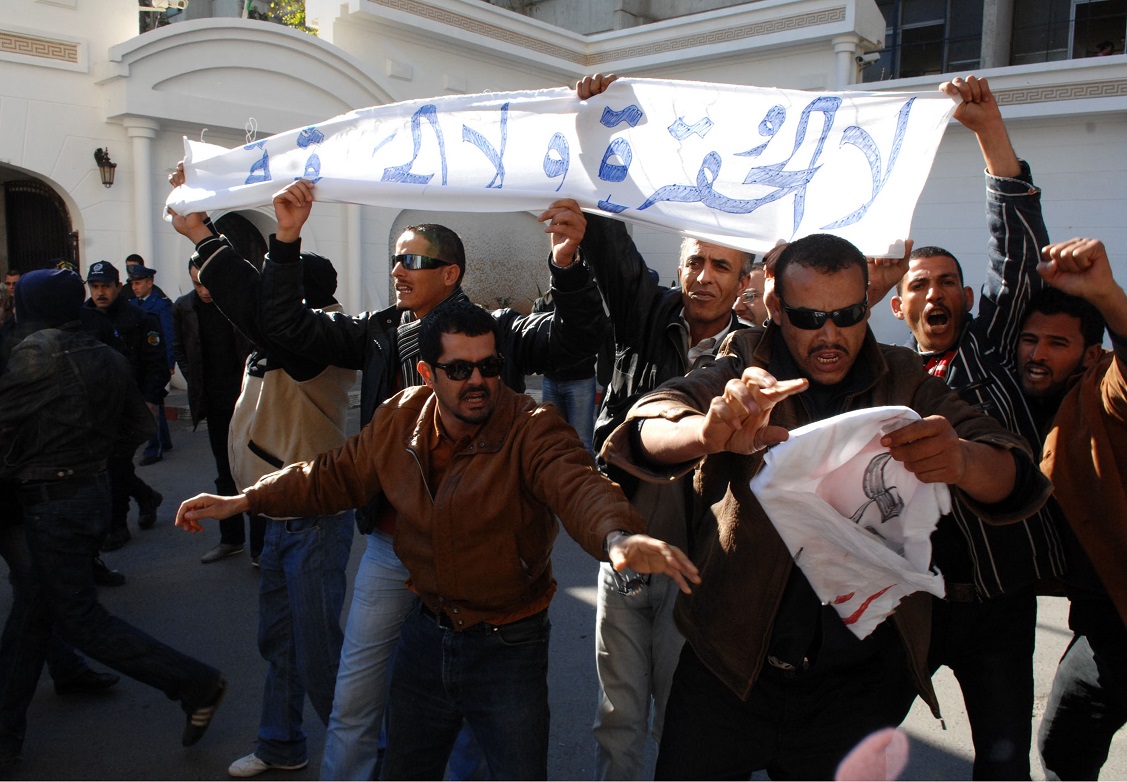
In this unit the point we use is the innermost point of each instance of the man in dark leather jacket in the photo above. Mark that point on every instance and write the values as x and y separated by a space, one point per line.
66 403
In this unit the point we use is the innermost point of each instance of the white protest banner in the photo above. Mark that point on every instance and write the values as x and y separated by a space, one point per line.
854 519
741 166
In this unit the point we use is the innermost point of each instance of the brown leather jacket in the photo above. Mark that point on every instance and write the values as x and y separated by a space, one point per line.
1085 455
478 545
744 564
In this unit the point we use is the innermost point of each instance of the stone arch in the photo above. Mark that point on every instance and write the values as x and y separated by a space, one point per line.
217 72
39 222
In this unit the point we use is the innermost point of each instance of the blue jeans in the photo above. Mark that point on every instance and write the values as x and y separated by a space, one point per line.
380 603
576 402
300 597
1086 707
162 440
65 524
989 648
63 661
495 679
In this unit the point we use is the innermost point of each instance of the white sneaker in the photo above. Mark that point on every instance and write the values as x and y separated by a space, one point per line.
252 765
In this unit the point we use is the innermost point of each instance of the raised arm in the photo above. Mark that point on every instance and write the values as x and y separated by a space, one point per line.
1013 209
573 331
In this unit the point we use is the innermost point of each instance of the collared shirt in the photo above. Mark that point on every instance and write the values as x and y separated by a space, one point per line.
706 348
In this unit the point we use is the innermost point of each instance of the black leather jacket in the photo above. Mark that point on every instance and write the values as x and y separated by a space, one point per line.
67 402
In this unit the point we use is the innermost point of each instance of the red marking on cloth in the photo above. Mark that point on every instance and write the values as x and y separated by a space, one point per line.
857 614
843 598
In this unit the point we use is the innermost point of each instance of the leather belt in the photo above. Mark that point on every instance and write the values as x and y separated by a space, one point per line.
481 628
961 593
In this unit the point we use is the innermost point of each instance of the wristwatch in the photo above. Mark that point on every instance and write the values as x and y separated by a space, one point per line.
629 582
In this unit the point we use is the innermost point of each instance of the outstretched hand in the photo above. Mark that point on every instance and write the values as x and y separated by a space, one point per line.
738 419
208 506
650 555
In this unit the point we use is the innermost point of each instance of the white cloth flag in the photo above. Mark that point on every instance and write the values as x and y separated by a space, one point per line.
854 519
741 166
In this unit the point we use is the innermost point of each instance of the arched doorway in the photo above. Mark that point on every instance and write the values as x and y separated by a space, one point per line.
37 226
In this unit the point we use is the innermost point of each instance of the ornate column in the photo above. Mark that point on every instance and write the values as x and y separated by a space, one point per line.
142 131
845 50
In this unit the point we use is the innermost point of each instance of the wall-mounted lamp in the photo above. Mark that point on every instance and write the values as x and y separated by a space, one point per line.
106 167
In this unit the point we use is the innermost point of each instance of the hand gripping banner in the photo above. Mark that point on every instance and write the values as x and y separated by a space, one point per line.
740 166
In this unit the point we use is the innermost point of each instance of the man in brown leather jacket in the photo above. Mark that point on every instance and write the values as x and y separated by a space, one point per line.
769 678
1080 391
477 475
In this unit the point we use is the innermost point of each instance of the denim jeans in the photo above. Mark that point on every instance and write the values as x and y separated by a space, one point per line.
637 647
63 536
63 661
495 679
380 602
300 597
989 648
576 402
1087 705
162 440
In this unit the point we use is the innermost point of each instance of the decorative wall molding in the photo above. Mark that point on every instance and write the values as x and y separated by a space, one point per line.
726 35
43 48
1047 93
575 55
476 26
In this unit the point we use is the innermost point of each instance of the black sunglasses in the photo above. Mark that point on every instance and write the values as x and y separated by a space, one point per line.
462 370
812 320
416 262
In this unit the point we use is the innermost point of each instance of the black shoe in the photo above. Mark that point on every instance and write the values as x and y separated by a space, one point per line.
87 681
147 516
199 718
104 576
147 460
116 539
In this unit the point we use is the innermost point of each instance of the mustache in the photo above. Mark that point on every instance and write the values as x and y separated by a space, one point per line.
481 389
827 346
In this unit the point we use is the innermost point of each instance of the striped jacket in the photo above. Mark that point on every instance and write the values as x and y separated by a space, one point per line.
1003 559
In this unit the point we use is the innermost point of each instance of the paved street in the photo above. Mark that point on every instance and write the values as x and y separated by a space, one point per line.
210 611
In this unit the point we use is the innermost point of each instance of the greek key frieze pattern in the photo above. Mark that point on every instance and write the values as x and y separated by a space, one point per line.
711 37
30 46
769 27
472 25
1057 92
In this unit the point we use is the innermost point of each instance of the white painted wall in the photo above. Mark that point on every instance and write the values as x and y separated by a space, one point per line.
218 73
